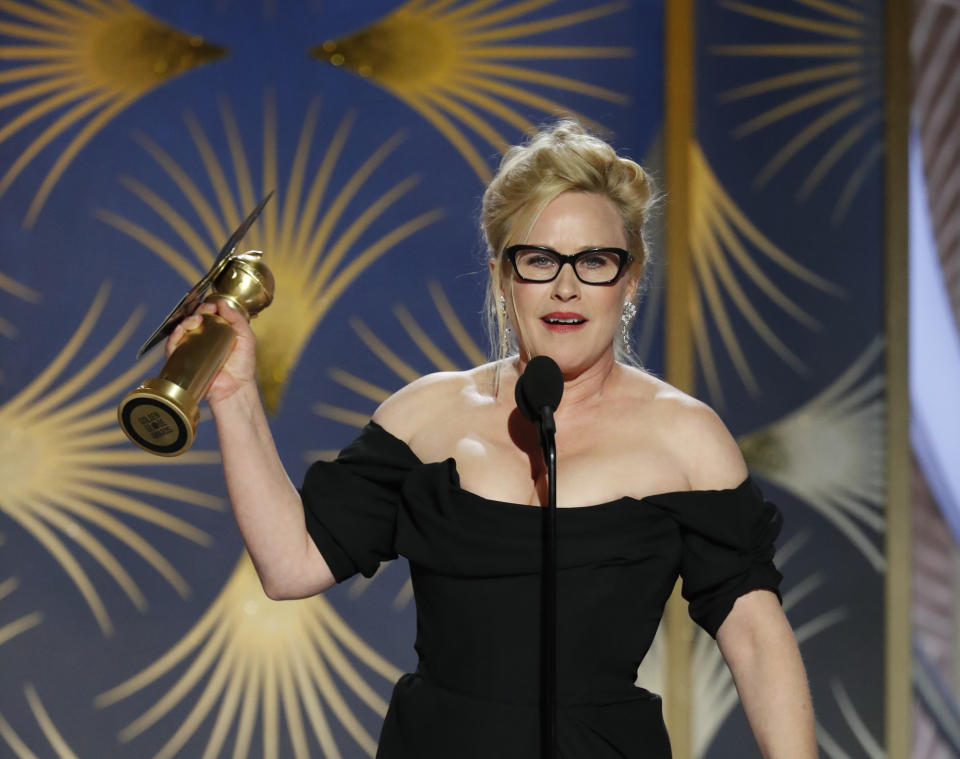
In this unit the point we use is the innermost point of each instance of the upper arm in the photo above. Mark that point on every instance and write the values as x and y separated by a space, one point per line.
756 617
711 457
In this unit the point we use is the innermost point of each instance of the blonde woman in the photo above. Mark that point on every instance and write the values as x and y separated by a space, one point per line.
650 486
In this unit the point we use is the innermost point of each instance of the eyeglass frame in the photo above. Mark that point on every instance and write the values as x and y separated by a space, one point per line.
510 254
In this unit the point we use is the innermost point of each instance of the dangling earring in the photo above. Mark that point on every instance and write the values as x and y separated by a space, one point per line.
626 319
505 332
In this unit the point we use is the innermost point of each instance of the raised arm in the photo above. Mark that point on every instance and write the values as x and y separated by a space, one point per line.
265 503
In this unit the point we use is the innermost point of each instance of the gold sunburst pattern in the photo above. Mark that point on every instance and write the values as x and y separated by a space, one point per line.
311 243
723 236
12 629
64 468
831 454
437 358
44 722
263 661
18 290
88 61
829 94
460 65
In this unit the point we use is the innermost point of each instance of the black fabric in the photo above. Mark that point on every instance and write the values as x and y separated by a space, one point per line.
475 567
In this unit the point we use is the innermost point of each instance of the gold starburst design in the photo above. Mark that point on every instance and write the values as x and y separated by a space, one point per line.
310 246
437 358
830 453
62 462
18 290
721 236
458 64
24 623
89 60
258 657
830 91
49 730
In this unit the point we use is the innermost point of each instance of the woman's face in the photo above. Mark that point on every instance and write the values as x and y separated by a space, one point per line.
572 322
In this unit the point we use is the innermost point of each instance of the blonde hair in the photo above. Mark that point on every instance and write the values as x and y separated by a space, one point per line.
560 158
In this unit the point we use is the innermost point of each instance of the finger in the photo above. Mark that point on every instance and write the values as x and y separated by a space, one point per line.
236 319
174 340
230 312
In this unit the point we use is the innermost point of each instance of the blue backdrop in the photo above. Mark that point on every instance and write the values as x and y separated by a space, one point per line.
134 137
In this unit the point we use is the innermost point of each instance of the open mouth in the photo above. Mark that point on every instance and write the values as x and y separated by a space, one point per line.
563 320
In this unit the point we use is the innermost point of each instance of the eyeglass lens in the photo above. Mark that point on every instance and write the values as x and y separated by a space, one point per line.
594 266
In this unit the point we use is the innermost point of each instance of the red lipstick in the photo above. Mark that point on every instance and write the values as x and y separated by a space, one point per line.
563 321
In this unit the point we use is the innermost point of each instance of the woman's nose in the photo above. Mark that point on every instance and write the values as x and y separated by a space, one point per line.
566 286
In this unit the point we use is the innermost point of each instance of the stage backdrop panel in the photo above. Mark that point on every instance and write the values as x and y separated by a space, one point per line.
135 136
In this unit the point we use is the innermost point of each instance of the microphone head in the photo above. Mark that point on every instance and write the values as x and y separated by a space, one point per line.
541 384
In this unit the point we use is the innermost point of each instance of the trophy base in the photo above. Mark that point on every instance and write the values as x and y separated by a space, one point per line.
160 417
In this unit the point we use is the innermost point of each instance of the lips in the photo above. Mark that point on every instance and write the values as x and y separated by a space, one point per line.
563 321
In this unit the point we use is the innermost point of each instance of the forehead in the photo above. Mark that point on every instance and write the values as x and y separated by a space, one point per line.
577 220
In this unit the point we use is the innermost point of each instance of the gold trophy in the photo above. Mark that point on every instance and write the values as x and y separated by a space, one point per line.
161 415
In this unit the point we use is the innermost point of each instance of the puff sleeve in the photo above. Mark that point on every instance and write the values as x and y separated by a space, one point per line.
727 549
350 504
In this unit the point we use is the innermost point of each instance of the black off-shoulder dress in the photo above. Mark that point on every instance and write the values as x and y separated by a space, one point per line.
475 565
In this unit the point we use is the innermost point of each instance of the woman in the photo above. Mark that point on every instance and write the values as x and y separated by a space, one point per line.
650 483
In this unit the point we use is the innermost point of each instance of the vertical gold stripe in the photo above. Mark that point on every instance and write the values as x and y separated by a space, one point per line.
679 82
898 658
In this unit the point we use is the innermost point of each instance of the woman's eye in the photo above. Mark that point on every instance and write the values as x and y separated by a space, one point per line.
539 261
595 262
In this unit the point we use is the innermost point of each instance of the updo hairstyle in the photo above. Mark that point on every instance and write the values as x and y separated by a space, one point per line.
560 158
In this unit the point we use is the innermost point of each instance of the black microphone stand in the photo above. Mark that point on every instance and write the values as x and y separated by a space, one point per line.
548 697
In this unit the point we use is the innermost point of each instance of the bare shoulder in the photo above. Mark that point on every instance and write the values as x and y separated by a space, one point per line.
695 434
420 404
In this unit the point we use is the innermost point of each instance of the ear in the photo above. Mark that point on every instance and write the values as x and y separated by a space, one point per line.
634 278
499 284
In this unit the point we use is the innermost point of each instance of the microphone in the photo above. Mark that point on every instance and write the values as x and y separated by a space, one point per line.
538 394
539 390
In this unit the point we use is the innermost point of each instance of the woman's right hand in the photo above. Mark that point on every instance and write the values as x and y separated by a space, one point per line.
239 370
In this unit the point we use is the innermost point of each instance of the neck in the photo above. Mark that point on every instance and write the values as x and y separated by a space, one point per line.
580 387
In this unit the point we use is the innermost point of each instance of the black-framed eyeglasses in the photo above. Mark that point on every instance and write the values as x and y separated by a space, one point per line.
595 266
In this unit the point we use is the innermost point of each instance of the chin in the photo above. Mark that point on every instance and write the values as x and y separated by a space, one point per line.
572 362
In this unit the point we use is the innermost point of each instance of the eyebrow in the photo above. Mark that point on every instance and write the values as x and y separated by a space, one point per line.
582 250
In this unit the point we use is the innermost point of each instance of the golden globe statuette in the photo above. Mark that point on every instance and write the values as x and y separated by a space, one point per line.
161 415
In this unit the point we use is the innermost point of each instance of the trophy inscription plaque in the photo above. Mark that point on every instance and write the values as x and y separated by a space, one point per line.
161 415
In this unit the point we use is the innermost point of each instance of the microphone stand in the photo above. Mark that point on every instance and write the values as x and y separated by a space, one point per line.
548 683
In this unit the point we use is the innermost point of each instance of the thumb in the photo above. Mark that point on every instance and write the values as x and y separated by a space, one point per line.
230 312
